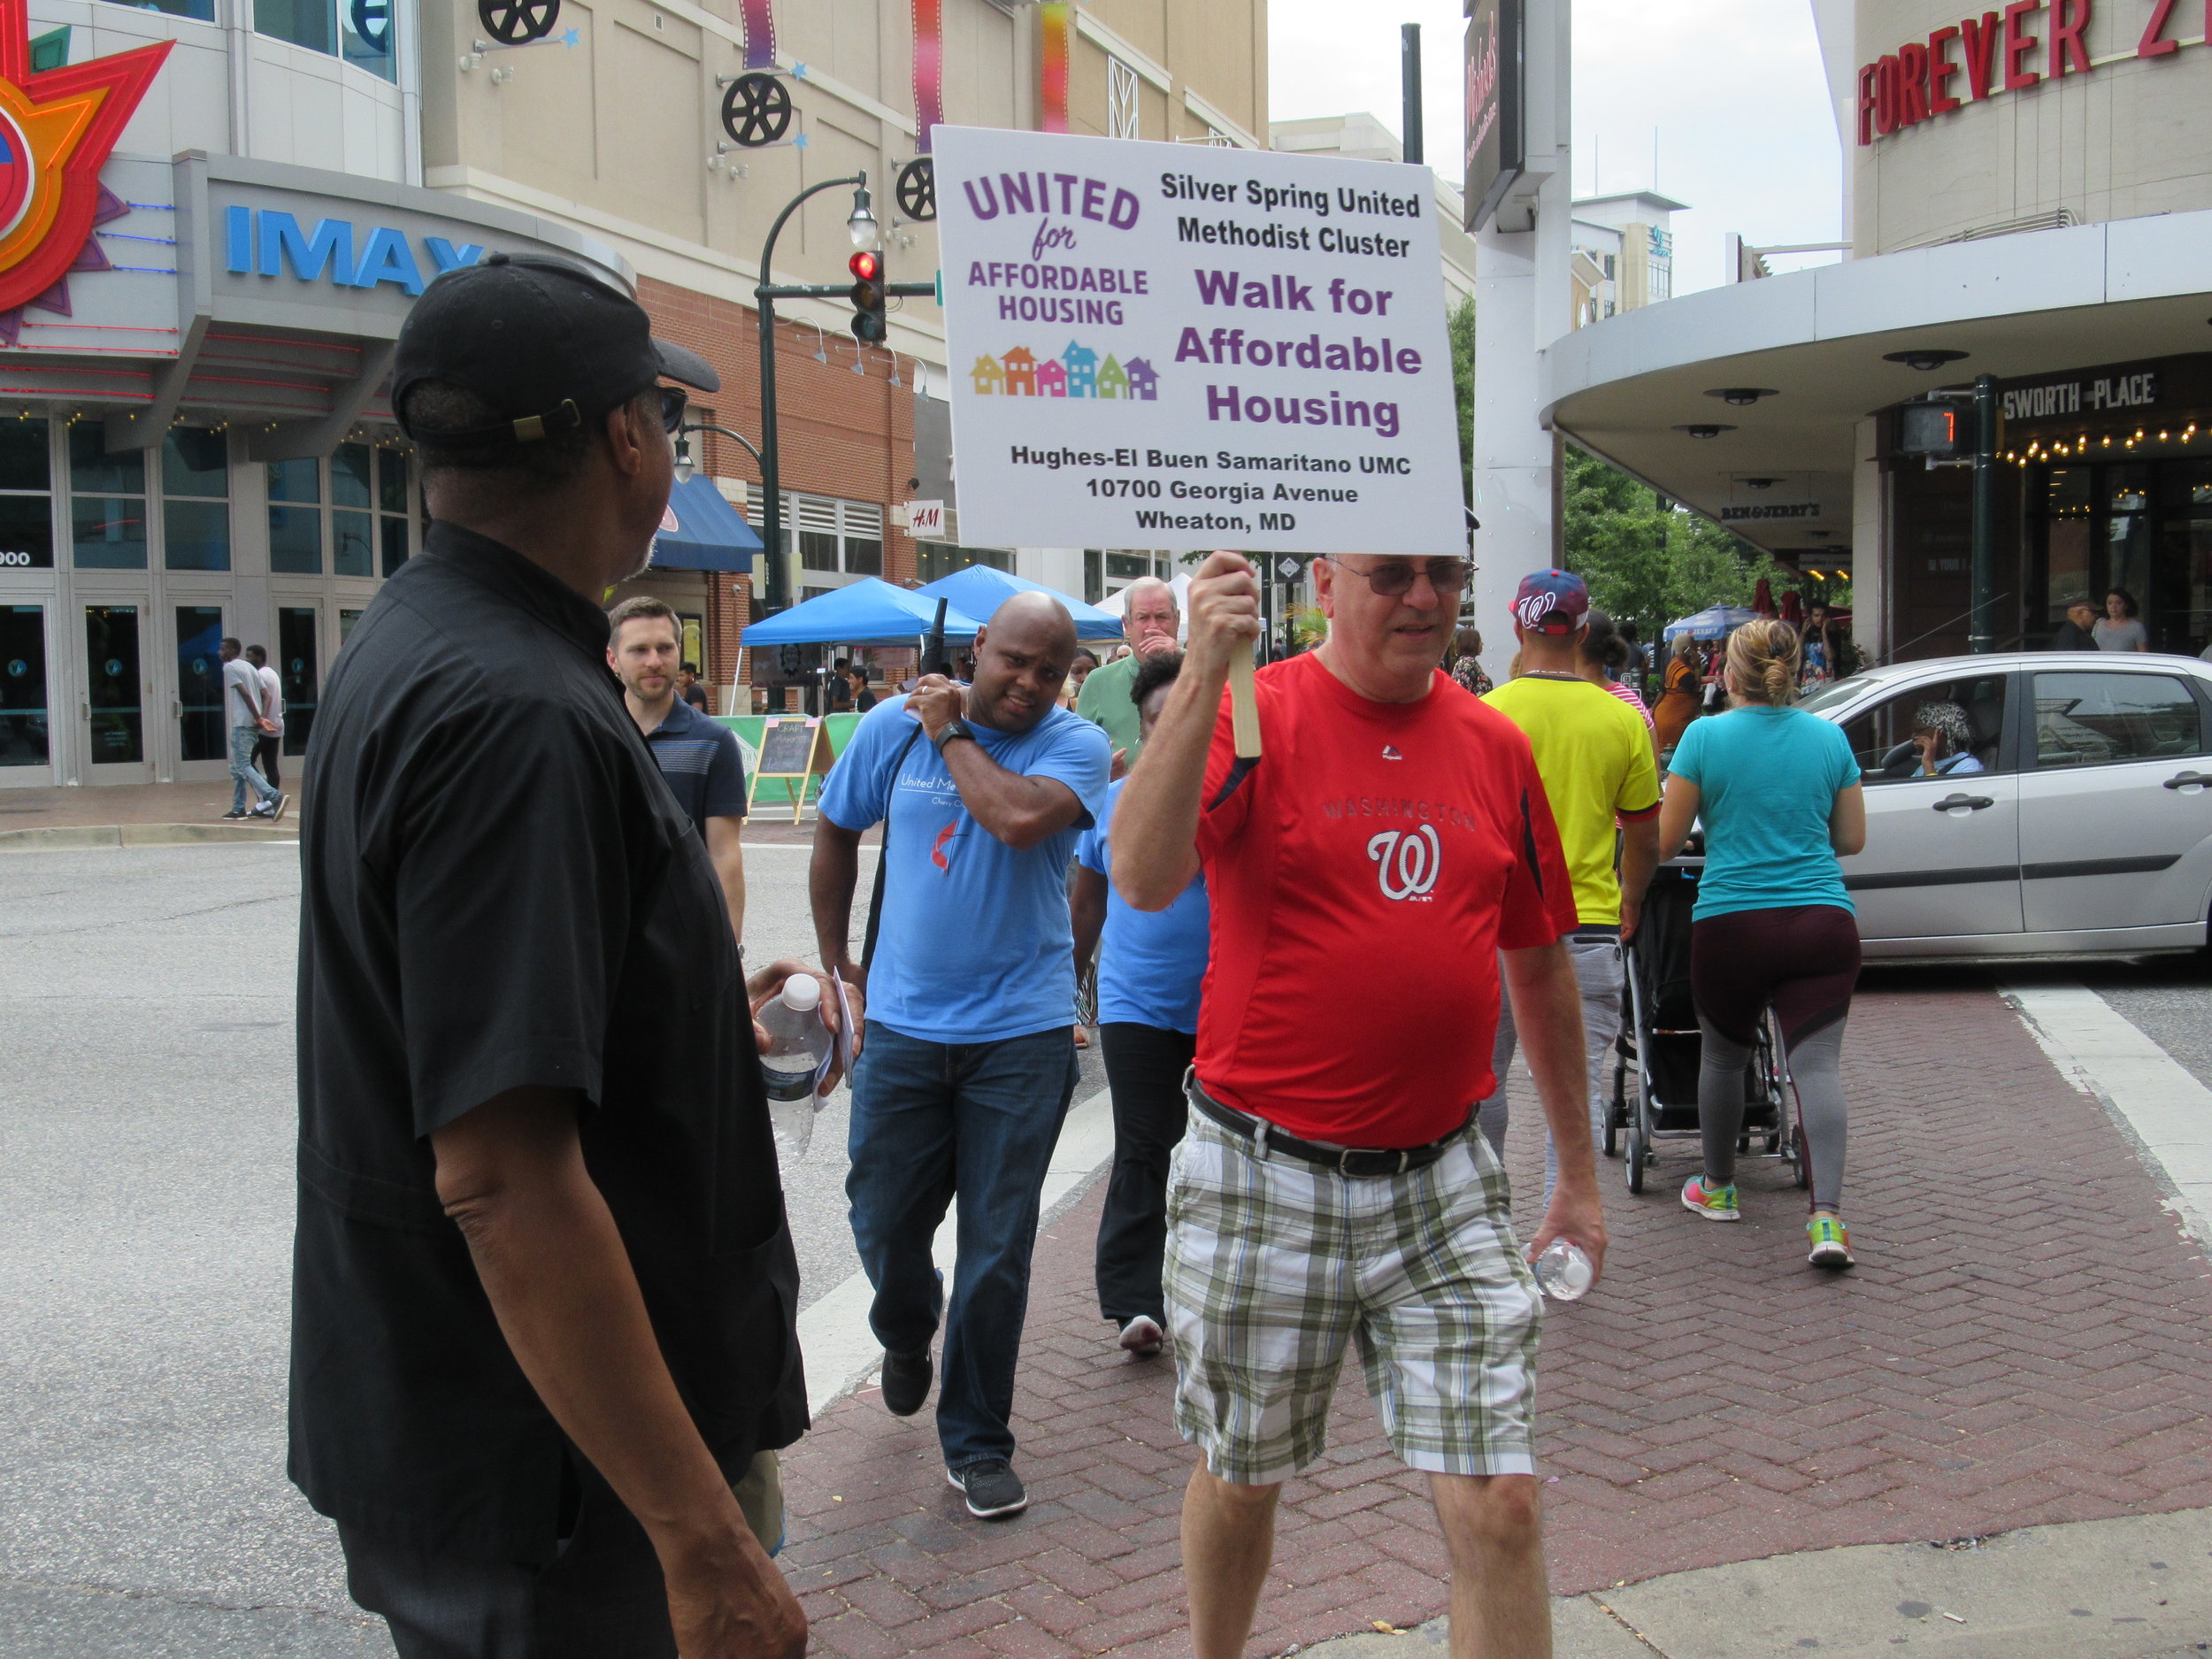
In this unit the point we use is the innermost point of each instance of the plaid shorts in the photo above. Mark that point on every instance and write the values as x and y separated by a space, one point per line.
1272 1263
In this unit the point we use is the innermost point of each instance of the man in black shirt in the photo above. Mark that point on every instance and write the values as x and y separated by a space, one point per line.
2073 634
544 1292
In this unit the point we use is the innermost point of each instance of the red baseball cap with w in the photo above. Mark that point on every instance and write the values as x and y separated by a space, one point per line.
1551 602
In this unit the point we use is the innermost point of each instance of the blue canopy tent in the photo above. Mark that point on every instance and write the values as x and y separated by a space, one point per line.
702 532
868 612
979 591
1716 622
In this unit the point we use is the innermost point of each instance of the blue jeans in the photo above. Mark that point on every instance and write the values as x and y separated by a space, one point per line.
931 1119
243 739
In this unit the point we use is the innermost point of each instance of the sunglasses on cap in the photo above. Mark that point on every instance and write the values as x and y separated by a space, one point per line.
1445 576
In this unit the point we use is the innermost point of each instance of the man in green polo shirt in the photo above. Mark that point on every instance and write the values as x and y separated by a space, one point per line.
1150 620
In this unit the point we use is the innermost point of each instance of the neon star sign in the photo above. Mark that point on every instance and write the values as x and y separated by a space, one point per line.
58 127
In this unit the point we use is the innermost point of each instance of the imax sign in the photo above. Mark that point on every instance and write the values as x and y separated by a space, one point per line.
268 241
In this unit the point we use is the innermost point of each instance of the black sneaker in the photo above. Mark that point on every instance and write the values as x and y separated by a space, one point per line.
235 812
993 1490
906 1379
276 807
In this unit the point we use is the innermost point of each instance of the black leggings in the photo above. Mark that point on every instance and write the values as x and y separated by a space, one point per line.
1803 962
1144 1069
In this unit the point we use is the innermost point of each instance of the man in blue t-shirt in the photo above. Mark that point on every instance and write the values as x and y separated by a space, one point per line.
970 1056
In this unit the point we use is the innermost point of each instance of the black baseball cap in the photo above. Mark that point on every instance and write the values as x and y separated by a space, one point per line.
545 343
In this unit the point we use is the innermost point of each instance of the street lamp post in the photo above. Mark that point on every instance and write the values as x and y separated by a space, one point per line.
862 224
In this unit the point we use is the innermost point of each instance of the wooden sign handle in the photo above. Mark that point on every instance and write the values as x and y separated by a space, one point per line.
1244 709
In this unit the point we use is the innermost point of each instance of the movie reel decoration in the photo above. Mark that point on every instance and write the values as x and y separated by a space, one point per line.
756 110
517 22
917 189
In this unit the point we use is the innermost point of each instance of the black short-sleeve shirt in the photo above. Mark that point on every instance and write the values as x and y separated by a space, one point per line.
498 891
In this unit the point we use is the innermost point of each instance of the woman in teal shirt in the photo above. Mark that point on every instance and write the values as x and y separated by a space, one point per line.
1778 791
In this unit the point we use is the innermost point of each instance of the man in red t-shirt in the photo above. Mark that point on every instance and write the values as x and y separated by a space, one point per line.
1368 876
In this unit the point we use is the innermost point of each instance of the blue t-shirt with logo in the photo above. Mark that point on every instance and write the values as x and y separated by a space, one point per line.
1767 780
975 944
1150 963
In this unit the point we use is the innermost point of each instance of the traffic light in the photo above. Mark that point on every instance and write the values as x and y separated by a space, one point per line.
868 323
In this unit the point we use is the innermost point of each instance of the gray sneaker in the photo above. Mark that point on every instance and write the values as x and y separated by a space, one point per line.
993 1489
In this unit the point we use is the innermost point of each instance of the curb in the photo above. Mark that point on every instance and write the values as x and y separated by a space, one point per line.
77 837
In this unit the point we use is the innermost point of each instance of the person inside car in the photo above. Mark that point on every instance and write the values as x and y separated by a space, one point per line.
1944 738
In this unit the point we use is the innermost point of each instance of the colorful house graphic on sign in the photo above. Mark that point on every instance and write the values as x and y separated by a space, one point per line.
1021 373
989 377
1052 379
1113 380
1082 370
1142 381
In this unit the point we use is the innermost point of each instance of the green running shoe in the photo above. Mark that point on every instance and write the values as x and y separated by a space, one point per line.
1831 1241
1715 1203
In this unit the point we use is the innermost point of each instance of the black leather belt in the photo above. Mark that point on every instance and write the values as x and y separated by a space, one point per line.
1266 1138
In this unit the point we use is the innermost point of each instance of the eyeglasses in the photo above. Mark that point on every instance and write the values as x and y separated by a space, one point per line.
673 399
1445 576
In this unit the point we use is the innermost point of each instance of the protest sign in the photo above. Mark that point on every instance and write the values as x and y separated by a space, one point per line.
1182 346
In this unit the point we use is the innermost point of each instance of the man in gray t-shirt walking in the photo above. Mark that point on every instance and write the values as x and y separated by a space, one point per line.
243 712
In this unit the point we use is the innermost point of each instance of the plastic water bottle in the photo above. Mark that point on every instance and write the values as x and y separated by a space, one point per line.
1563 1270
798 1043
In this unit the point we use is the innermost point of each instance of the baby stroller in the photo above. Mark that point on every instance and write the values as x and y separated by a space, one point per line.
1655 1060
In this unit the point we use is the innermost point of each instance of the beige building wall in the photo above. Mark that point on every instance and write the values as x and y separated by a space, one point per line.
2131 137
621 134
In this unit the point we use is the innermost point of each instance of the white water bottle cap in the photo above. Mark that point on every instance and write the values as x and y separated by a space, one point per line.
803 992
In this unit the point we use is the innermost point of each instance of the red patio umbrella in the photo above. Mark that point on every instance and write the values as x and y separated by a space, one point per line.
1762 598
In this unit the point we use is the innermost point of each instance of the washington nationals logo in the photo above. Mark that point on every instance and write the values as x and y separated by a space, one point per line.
1535 608
1406 864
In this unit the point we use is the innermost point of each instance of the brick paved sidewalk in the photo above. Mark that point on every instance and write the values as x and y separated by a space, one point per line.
2024 1342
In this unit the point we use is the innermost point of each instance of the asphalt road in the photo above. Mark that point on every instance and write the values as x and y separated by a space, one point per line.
146 1124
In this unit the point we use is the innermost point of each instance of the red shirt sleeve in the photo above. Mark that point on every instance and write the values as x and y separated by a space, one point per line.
1539 897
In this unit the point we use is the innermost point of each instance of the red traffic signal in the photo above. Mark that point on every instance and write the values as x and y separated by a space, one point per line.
869 322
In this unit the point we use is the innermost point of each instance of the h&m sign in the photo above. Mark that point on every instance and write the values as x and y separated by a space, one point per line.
268 241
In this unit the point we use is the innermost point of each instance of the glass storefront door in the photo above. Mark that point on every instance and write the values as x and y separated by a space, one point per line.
114 701
201 735
299 661
26 743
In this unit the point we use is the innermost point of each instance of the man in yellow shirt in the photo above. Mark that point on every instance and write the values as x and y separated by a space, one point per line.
1596 759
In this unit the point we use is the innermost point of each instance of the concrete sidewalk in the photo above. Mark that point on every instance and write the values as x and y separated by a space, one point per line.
2023 1346
2135 1588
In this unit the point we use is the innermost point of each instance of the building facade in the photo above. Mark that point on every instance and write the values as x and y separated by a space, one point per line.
215 237
2028 195
614 124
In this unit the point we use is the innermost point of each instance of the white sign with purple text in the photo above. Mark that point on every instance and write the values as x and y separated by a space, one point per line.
1181 346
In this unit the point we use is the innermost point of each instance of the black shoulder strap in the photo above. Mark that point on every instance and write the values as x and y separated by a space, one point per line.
883 853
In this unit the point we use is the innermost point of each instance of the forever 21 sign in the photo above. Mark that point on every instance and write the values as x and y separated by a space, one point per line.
1979 57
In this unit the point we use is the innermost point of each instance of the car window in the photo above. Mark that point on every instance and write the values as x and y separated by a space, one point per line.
1839 692
1966 716
2096 719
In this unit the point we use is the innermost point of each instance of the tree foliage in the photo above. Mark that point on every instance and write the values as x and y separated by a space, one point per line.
1651 561
1461 325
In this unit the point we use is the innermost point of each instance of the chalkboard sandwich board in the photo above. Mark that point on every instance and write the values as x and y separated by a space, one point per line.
793 748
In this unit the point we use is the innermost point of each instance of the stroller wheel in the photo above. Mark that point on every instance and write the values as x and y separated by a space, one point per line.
1617 1113
1639 1155
1801 1157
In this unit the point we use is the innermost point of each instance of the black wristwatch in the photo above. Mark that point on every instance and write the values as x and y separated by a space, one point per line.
949 732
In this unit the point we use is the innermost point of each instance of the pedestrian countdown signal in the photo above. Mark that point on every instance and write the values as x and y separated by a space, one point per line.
867 296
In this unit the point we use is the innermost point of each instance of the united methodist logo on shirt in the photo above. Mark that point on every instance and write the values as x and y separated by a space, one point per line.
939 848
1406 863
57 129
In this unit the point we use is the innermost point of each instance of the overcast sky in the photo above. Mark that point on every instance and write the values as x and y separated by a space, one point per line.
1733 89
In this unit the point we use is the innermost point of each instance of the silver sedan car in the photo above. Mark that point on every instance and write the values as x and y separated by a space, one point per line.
2070 812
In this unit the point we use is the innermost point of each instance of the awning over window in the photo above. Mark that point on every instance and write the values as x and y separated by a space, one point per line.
702 532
